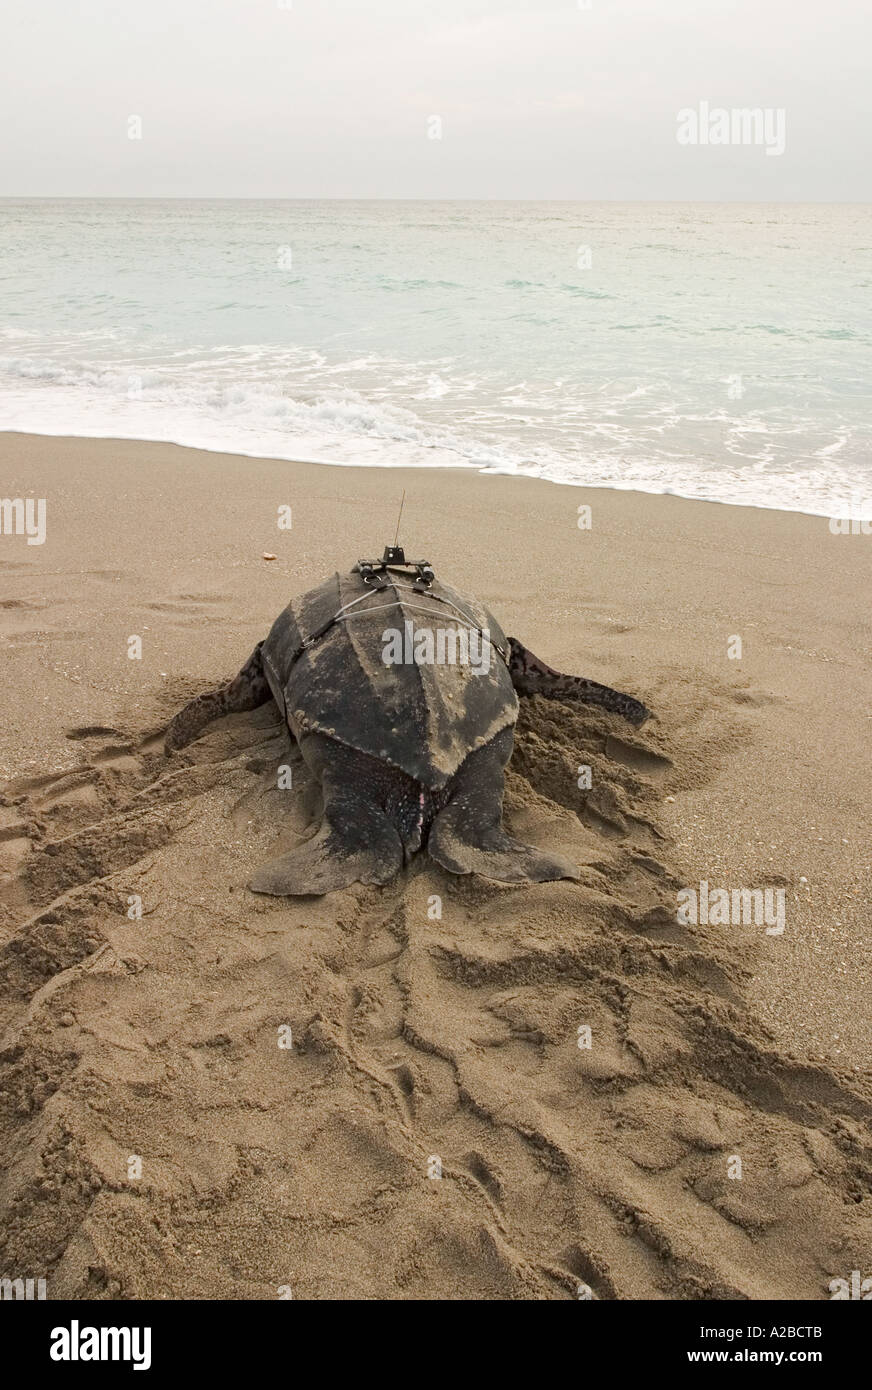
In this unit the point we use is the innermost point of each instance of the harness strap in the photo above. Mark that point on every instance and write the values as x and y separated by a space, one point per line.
341 615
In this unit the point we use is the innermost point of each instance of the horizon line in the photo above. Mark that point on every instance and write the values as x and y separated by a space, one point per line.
386 198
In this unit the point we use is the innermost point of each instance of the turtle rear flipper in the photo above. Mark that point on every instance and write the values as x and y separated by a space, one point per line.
464 849
467 836
355 844
532 676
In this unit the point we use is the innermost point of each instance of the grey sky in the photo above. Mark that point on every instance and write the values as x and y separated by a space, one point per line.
331 98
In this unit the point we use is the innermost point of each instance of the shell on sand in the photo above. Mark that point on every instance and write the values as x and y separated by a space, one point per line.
422 718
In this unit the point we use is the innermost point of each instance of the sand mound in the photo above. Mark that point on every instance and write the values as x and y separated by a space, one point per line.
419 1040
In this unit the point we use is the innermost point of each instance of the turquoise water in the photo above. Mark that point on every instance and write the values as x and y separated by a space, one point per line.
711 351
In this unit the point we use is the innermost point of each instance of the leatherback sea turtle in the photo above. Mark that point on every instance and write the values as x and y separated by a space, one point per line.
402 695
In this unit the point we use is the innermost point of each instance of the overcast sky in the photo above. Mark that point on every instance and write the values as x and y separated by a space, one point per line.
332 98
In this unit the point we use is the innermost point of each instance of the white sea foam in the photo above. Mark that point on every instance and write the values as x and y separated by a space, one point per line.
691 360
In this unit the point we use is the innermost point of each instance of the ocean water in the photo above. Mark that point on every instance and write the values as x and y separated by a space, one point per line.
713 351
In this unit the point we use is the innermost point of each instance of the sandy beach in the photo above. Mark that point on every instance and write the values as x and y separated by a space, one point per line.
414 1039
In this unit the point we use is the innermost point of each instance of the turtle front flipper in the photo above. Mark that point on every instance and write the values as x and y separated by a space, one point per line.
248 690
531 676
355 844
467 837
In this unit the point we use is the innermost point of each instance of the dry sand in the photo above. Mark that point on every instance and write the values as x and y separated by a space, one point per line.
415 1036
